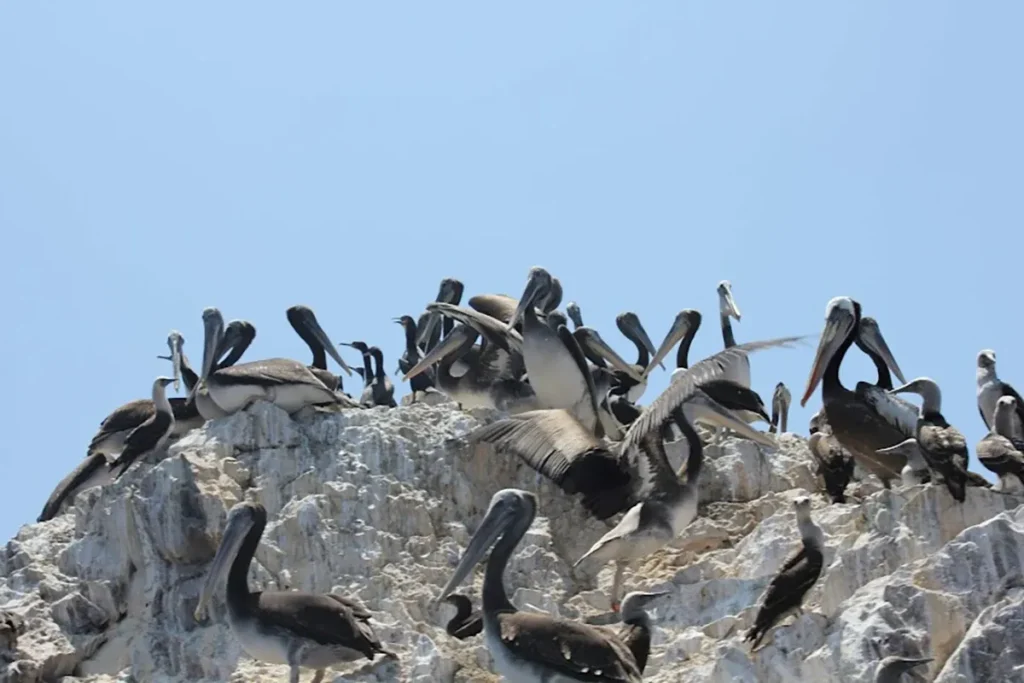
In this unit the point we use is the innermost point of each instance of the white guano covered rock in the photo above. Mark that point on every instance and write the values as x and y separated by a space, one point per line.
379 504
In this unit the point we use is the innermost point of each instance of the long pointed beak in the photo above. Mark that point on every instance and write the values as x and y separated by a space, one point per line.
837 328
729 303
176 363
872 337
904 448
700 405
497 519
593 341
680 326
529 295
447 346
314 328
632 321
230 543
214 324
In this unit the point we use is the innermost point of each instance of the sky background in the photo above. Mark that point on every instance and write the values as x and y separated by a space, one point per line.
251 156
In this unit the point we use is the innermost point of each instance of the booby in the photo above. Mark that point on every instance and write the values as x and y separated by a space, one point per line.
834 465
467 622
530 646
855 422
1000 451
636 630
727 308
891 669
785 593
991 389
296 628
411 356
305 324
943 446
287 383
781 399
916 472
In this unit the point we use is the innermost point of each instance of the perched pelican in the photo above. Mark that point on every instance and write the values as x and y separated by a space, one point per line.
287 383
633 330
296 628
780 408
785 593
943 447
1000 451
991 388
572 309
855 422
411 357
835 467
428 331
305 324
467 622
727 308
891 669
529 646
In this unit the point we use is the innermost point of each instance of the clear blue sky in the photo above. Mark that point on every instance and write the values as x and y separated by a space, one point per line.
157 160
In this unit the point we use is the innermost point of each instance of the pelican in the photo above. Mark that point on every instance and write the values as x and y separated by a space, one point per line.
572 309
1000 451
428 332
530 646
834 465
727 308
943 447
632 329
466 623
855 422
785 593
287 383
296 628
991 388
891 669
781 399
305 324
411 357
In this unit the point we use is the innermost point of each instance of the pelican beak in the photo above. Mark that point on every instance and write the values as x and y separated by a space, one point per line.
234 534
313 326
726 303
593 341
450 292
681 326
631 321
175 342
499 516
838 326
448 345
700 405
213 323
538 283
871 336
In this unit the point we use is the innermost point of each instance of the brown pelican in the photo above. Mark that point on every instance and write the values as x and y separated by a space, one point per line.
572 309
428 331
727 308
854 421
529 646
785 593
287 383
834 465
305 324
1000 451
891 669
467 622
411 357
991 388
944 448
781 399
296 628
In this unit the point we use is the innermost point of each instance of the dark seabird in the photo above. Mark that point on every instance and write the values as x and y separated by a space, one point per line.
785 594
636 630
572 309
991 389
152 434
943 446
429 332
781 399
305 324
467 622
530 646
366 398
855 422
891 669
11 628
383 391
411 356
834 465
1000 451
295 628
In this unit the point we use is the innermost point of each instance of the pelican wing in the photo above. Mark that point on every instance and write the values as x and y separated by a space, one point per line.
270 372
499 306
323 618
717 366
899 413
554 443
568 648
492 329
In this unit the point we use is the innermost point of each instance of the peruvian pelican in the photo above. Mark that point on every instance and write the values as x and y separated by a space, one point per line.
287 383
1001 451
727 308
991 388
305 324
295 628
781 399
785 594
531 646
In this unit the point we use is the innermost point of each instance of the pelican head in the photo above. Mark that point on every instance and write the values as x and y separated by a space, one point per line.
726 303
841 316
461 338
573 310
302 318
870 336
556 319
630 326
987 359
213 325
511 510
241 519
686 321
554 296
927 389
538 288
176 342
450 292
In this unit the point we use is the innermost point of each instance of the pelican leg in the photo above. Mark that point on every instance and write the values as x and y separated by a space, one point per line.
293 677
318 677
620 568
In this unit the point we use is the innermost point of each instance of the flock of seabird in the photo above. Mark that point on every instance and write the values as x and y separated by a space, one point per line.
571 413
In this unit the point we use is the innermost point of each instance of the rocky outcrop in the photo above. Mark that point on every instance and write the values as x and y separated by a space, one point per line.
378 504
